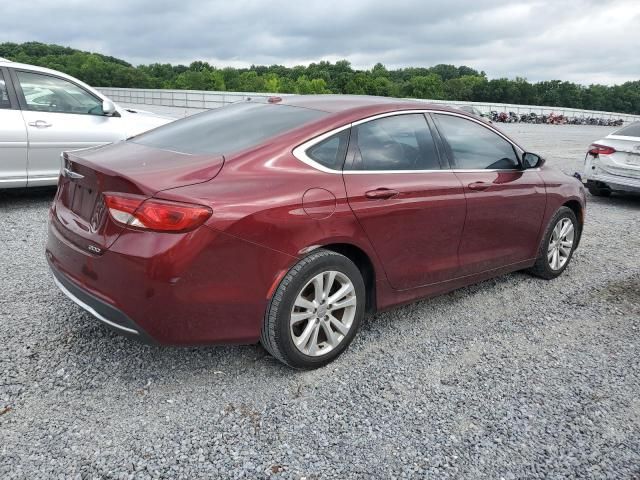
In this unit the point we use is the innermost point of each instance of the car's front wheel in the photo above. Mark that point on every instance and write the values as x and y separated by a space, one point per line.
560 240
316 310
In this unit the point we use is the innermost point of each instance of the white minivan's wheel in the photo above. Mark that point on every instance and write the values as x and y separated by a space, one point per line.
316 310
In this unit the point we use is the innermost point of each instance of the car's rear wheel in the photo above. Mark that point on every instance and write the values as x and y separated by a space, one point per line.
558 245
315 312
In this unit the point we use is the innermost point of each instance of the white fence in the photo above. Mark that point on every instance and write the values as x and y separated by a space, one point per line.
207 99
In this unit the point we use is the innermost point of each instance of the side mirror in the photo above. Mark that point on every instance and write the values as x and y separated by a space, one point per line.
531 160
108 108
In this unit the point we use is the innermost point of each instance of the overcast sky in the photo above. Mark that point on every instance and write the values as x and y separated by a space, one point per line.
586 41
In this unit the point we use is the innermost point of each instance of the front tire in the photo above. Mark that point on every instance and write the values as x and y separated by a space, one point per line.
315 312
558 245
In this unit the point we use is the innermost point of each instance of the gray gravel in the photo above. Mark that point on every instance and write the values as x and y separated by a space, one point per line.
513 378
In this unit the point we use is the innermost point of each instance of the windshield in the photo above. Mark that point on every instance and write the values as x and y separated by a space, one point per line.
228 129
632 130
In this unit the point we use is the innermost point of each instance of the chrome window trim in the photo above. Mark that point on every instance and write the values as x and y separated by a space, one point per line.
300 152
90 309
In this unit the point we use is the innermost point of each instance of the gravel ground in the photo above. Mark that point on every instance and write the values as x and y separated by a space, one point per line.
512 378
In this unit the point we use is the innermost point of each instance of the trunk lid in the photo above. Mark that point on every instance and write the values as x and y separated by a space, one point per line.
624 144
626 159
79 209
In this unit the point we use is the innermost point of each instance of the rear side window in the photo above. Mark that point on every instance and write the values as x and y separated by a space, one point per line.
632 130
330 153
400 142
4 95
475 147
228 129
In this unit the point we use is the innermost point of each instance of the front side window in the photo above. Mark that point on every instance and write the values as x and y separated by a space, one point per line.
330 153
4 94
400 142
44 93
475 147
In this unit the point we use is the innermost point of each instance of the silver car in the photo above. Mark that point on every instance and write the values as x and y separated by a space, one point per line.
44 112
473 111
612 164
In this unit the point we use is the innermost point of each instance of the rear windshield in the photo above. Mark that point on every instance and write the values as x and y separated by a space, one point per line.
228 129
632 130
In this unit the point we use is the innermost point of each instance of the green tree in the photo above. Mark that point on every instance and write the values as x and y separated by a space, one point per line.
427 86
462 88
272 83
441 81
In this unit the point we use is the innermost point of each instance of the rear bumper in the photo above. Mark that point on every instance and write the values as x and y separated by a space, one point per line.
599 171
201 287
107 314
615 182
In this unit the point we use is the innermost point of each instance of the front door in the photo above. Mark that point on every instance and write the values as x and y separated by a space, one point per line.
505 204
410 208
60 115
13 140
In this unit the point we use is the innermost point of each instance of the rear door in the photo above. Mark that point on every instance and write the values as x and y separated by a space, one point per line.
505 204
411 208
13 137
60 115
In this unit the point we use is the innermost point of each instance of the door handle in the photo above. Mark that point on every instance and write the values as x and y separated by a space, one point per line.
479 186
381 193
40 124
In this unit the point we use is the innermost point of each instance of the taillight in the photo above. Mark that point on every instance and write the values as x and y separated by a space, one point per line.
152 214
596 150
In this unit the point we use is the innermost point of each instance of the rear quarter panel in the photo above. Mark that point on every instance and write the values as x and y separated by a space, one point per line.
261 201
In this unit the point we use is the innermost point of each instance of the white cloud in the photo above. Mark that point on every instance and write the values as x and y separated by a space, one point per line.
585 41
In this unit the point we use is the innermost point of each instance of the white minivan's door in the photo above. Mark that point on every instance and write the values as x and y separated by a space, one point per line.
60 116
13 139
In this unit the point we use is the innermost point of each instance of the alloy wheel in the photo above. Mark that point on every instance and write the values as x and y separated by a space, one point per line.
323 313
560 244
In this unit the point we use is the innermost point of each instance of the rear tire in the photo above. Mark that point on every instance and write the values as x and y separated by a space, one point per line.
315 312
558 245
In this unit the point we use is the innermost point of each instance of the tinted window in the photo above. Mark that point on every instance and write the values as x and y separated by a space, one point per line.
473 146
401 142
4 95
44 93
228 129
632 130
330 152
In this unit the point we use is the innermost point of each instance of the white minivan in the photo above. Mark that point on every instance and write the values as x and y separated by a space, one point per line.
44 112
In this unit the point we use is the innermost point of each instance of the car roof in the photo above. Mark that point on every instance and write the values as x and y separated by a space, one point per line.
35 68
345 103
8 63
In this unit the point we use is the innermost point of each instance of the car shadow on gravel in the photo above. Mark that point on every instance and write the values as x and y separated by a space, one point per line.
618 199
36 193
90 342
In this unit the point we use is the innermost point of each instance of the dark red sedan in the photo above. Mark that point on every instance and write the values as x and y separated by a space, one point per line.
285 222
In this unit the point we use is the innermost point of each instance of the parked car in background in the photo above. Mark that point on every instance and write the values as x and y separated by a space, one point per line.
612 164
283 222
44 112
475 112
